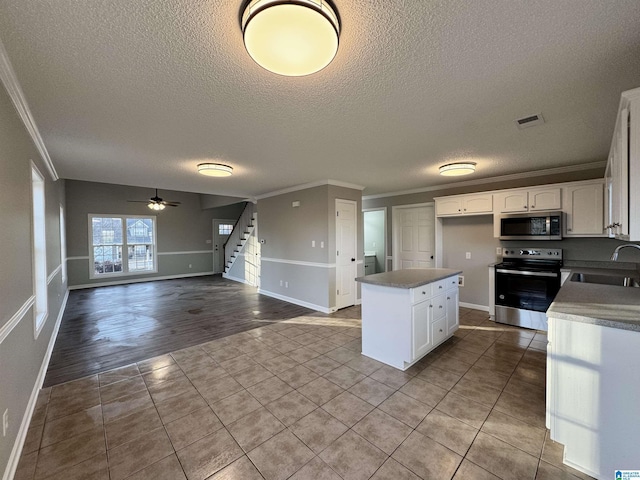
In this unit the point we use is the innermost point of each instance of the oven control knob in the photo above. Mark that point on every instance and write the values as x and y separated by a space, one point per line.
501 297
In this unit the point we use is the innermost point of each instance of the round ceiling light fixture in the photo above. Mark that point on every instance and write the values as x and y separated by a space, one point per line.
291 37
459 168
215 169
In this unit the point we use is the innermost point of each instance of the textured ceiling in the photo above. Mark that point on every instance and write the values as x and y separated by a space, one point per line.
139 92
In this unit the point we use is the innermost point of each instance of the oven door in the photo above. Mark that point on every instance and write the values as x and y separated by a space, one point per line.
526 289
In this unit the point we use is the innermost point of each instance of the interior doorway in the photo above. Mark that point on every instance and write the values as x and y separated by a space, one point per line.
413 236
221 231
375 245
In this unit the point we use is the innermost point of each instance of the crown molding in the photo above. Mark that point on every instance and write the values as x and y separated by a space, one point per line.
501 178
319 183
10 81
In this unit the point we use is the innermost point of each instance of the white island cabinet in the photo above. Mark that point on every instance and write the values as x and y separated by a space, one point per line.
407 313
593 376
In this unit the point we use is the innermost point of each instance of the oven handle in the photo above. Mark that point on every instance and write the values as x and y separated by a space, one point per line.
531 274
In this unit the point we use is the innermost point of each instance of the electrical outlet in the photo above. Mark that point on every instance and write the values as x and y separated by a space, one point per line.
461 280
321 244
280 282
313 244
5 422
286 284
189 265
468 255
498 250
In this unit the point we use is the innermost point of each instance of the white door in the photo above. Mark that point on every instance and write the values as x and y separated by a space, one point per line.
345 253
221 231
414 237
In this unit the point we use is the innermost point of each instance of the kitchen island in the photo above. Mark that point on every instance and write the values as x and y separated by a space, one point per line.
593 373
407 313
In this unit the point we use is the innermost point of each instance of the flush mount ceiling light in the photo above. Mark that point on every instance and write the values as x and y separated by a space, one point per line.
291 37
455 169
215 169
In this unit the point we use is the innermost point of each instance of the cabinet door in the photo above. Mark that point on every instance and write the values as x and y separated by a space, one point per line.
584 207
545 199
421 319
453 314
448 206
512 201
478 204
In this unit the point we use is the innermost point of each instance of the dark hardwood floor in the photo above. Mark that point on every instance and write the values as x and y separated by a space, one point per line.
108 327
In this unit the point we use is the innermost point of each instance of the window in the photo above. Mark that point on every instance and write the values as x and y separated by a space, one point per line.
112 236
225 229
39 250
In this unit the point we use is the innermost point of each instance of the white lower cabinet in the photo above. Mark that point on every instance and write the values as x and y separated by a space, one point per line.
401 325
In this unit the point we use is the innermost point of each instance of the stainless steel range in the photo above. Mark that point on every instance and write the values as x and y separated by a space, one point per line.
527 281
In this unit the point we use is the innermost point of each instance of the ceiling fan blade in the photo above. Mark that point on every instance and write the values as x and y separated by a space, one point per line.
173 204
138 201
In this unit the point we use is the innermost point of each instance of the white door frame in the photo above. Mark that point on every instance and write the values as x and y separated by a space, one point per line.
395 235
354 264
384 226
214 231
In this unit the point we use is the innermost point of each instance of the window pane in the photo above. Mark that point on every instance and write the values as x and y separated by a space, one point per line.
107 231
225 229
140 258
107 259
139 230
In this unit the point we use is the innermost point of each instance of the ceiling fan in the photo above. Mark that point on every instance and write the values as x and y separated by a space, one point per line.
156 203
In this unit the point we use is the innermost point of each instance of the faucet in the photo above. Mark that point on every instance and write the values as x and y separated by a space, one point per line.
614 255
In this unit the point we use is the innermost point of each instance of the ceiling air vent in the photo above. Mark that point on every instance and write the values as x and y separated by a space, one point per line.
530 121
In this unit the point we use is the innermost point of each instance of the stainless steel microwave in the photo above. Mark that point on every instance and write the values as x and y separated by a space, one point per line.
531 226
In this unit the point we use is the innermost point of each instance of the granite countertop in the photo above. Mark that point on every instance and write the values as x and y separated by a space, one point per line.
410 278
604 305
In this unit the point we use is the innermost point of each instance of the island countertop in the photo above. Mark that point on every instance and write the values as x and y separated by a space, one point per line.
410 278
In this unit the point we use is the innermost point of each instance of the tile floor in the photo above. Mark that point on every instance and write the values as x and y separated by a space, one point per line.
297 400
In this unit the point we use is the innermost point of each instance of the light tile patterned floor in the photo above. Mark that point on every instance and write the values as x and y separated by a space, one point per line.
297 400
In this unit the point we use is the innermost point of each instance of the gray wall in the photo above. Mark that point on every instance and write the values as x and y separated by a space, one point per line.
182 231
374 233
288 233
22 356
475 235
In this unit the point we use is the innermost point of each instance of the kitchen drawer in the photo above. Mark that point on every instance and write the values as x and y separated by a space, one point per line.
440 286
420 294
439 306
452 282
438 331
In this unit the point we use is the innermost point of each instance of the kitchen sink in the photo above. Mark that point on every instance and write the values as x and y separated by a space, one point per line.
603 279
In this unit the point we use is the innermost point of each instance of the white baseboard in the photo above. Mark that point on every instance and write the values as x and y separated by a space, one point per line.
138 280
483 308
296 301
237 279
16 451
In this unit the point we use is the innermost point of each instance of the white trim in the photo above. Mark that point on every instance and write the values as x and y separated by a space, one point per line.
236 279
6 329
295 301
473 306
83 257
138 280
501 178
305 186
298 262
10 81
186 252
53 274
16 451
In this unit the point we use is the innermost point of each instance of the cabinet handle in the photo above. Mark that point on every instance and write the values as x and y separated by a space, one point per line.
525 206
440 306
424 293
430 306
533 206
440 330
448 298
440 287
568 229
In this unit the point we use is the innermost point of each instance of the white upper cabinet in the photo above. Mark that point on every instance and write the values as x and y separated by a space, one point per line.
584 209
623 171
528 200
475 204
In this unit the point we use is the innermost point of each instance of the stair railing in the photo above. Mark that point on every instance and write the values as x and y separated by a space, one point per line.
242 225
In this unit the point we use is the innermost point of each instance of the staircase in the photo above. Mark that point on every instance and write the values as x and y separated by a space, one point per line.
241 232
